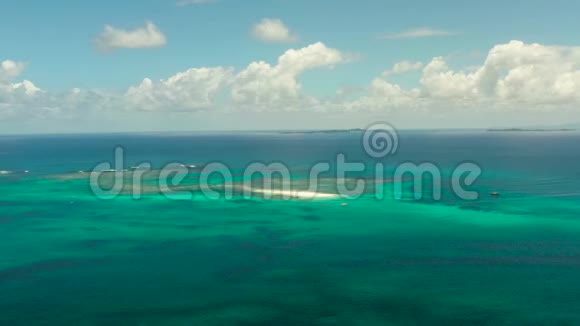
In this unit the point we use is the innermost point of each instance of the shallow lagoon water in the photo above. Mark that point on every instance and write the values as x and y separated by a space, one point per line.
68 258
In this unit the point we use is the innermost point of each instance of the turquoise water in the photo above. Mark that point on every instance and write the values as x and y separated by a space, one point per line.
68 258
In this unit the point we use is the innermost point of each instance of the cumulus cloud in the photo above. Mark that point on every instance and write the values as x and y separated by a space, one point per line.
273 31
19 98
406 66
192 90
264 86
14 94
11 93
10 69
515 80
26 101
417 33
384 97
514 76
26 87
403 67
144 37
260 86
515 71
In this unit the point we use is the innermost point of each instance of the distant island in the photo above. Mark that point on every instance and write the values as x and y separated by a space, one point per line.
528 129
331 131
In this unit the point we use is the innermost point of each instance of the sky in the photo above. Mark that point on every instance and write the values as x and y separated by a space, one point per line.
194 65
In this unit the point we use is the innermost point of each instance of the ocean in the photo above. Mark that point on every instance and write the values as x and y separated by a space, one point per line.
68 257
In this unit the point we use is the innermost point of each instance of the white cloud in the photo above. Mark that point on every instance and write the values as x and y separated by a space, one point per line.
417 33
144 37
25 101
260 86
384 97
13 95
184 3
19 98
403 67
512 72
274 31
406 66
263 86
514 77
192 90
517 81
10 69
25 86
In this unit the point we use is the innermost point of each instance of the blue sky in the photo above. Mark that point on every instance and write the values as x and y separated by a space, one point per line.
56 42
